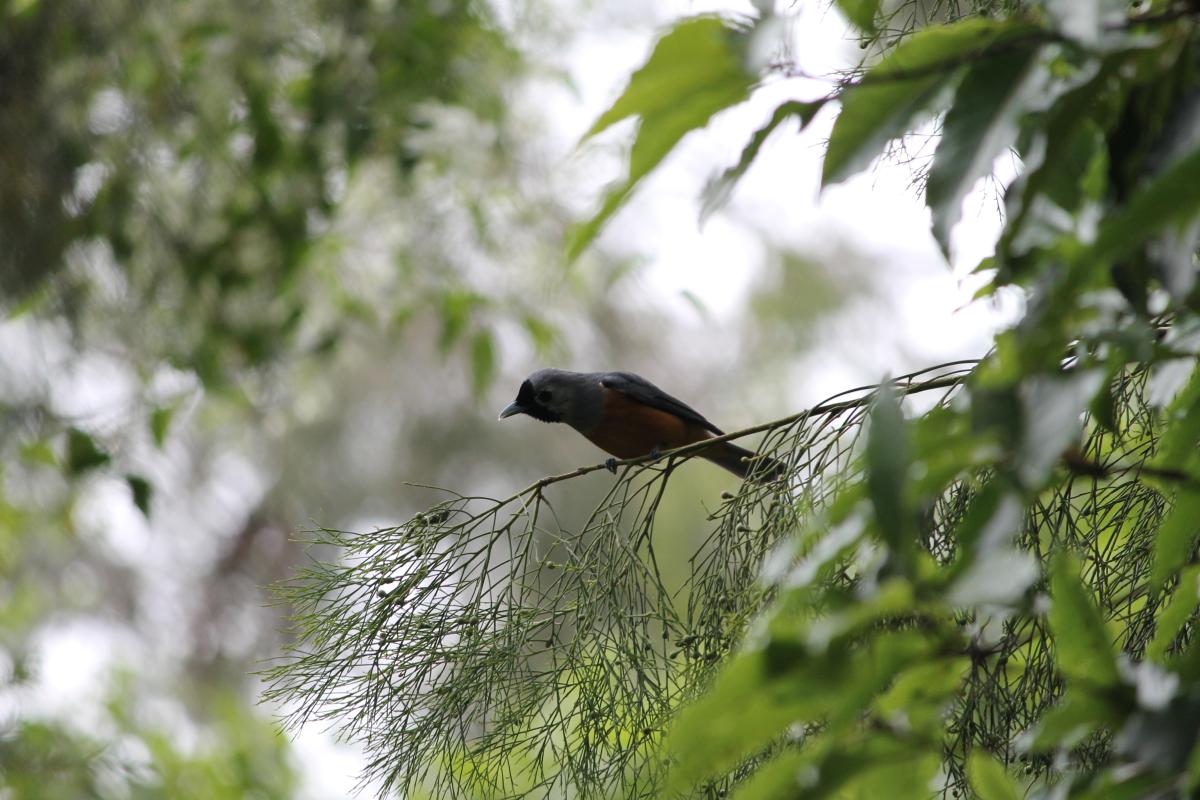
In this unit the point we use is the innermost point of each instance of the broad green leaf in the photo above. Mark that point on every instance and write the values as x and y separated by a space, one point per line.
1077 714
887 462
786 776
861 13
920 695
879 765
761 692
1178 451
989 779
695 71
899 92
981 124
142 492
83 453
1176 538
1083 649
718 190
1172 198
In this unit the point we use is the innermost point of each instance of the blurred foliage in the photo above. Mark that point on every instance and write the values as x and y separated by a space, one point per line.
206 204
241 757
994 597
180 165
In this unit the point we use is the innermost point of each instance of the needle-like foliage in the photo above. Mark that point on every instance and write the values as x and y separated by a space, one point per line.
482 649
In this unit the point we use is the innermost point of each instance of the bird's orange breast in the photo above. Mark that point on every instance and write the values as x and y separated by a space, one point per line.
629 429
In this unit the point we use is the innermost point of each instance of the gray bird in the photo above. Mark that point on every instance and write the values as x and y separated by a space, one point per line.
627 416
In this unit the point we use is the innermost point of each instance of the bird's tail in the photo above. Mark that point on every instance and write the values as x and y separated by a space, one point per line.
745 463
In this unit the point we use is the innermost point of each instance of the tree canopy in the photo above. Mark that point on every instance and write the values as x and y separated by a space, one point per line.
989 594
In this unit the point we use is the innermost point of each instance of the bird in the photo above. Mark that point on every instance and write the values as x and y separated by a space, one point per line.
627 416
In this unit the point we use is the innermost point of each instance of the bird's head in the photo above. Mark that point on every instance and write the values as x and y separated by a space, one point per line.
555 395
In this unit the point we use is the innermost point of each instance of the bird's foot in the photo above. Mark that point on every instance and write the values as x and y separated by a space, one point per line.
611 465
655 451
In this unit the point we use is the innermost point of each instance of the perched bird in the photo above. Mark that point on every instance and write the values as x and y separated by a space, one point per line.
628 416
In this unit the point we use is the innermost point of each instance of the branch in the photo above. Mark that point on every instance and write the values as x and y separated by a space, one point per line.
903 384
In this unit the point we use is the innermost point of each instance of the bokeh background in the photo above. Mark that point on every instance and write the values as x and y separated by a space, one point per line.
272 266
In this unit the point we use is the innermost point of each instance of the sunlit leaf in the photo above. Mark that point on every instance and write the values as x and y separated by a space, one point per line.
761 692
899 92
695 71
980 125
1084 651
39 452
1175 614
1176 538
990 780
1077 714
861 13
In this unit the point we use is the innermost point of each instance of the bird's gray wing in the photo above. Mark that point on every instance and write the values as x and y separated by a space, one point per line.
642 390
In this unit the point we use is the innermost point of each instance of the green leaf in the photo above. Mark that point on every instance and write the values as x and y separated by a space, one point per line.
719 189
83 453
861 13
1071 721
1175 614
142 491
1176 538
1178 451
483 361
887 461
456 308
541 333
39 452
900 91
160 423
877 766
1083 649
990 780
1171 198
694 72
981 124
763 691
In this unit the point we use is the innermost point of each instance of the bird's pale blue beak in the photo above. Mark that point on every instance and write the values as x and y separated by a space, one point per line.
512 408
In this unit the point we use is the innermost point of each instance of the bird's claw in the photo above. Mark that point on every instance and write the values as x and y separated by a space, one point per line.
655 451
611 465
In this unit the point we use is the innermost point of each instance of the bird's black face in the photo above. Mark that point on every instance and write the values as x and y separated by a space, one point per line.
535 403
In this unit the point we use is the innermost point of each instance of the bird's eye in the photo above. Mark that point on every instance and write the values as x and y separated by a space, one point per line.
543 396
